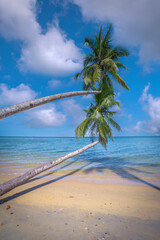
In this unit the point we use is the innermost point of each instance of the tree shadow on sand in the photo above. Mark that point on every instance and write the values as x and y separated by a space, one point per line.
122 168
119 166
4 200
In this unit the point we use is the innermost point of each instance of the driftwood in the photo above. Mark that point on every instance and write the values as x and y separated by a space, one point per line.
7 111
15 182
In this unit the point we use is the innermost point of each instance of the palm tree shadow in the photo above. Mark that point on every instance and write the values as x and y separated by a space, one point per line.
116 165
120 167
125 174
16 195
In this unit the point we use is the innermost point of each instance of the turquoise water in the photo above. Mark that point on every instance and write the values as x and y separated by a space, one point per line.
141 153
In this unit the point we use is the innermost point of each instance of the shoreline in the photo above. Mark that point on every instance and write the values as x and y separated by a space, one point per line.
124 176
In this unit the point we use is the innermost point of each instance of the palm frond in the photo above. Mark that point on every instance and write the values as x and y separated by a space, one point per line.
87 80
118 78
117 52
97 74
108 83
110 113
102 62
100 37
113 123
110 63
91 44
122 51
79 74
91 86
121 65
106 103
83 127
89 58
107 37
100 69
105 92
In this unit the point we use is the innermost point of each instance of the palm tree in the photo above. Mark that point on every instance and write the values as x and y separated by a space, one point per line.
98 68
8 111
99 117
102 64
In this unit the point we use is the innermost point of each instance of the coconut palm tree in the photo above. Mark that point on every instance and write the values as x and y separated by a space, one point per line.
98 69
103 63
99 117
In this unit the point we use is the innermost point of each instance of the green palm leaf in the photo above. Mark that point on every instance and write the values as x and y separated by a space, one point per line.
121 65
91 44
100 69
83 127
103 62
96 74
99 118
89 59
107 37
113 123
118 78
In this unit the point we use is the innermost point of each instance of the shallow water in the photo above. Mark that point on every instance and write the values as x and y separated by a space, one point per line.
141 154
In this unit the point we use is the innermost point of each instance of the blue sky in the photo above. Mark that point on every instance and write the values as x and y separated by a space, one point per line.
42 47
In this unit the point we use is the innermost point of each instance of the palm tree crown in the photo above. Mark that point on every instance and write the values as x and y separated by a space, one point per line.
99 117
102 65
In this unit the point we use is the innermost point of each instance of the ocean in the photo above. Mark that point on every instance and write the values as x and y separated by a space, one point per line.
138 154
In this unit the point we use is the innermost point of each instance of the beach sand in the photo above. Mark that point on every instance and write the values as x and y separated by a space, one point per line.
81 206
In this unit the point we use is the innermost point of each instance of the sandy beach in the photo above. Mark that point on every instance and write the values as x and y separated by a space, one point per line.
70 205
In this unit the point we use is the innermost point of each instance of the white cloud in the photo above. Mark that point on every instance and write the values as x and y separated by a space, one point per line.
18 19
144 96
48 53
15 95
54 84
74 110
139 126
152 106
89 96
135 23
45 117
117 108
51 54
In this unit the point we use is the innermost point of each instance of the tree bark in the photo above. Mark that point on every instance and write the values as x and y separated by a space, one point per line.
7 111
15 182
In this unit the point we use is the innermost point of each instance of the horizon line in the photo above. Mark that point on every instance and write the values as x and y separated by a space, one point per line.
81 137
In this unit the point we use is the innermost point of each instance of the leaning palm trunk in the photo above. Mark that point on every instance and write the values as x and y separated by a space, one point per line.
7 111
15 182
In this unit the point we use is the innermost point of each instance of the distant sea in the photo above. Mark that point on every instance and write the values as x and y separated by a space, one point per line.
140 154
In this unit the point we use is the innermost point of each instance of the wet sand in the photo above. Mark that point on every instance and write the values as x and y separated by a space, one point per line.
81 206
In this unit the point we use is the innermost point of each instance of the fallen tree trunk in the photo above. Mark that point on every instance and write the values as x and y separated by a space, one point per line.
7 111
15 182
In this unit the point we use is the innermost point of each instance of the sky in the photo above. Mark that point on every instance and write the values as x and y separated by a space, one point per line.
42 47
